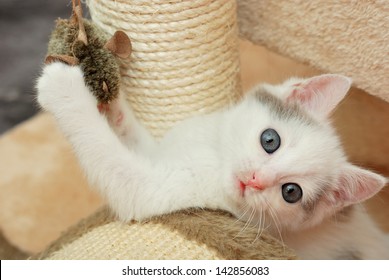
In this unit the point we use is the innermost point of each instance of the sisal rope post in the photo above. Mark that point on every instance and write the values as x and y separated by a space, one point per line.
185 58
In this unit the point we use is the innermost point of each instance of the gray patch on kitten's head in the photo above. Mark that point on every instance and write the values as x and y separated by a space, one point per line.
309 205
344 215
281 109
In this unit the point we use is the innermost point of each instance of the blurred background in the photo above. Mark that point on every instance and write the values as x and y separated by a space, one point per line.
24 30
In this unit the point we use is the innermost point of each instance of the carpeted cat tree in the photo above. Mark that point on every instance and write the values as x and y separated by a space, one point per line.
185 62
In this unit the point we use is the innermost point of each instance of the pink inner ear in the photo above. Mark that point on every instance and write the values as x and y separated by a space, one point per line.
304 92
320 95
357 185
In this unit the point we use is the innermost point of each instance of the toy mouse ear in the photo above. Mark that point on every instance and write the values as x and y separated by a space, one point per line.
69 60
119 45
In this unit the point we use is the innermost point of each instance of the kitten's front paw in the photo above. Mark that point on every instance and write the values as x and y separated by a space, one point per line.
61 85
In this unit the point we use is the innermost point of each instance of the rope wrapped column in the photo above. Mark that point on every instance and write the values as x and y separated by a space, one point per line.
185 58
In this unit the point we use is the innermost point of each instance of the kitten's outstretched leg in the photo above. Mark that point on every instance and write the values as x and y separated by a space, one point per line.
123 122
134 187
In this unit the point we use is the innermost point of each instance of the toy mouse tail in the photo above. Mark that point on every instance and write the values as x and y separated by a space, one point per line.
76 18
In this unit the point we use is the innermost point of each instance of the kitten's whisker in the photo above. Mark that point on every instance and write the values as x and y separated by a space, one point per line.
268 226
276 222
249 220
241 216
261 224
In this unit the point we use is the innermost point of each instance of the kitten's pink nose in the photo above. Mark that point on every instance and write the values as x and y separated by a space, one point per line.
255 183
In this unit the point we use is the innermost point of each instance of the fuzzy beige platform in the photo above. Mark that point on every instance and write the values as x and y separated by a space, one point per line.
188 234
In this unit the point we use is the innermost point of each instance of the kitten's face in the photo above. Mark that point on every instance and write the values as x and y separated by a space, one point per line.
287 166
285 160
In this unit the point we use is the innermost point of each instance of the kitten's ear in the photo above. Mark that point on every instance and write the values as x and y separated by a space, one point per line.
321 94
355 185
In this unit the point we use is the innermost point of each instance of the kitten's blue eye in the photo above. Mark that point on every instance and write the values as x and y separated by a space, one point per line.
291 192
270 140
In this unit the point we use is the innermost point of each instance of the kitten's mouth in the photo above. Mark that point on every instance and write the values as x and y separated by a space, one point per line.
252 183
242 187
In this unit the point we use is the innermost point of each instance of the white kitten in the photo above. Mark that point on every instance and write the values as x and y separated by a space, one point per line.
273 160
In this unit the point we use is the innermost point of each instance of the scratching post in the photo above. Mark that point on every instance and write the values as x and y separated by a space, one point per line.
185 57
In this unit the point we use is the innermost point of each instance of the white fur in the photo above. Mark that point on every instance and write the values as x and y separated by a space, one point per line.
336 239
199 164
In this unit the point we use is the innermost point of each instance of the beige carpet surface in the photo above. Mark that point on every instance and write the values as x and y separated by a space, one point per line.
346 37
